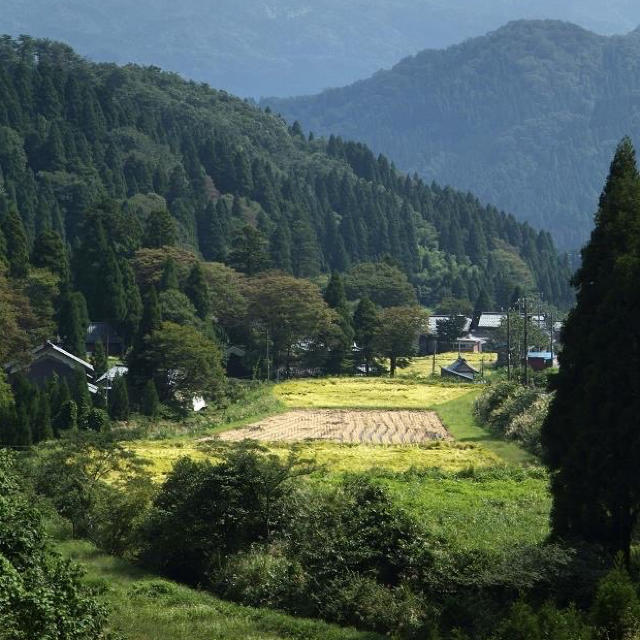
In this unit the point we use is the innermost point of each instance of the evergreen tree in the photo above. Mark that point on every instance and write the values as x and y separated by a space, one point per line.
365 324
169 278
72 322
341 346
99 360
119 399
42 428
22 429
482 304
160 230
67 417
249 251
590 437
80 394
197 291
49 253
150 403
16 239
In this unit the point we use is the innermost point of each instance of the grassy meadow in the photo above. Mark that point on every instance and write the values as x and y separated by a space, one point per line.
145 607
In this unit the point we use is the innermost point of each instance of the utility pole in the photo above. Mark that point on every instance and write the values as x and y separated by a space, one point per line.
508 344
551 334
268 360
433 362
526 344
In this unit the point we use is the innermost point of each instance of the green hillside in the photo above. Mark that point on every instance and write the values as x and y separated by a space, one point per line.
526 117
237 182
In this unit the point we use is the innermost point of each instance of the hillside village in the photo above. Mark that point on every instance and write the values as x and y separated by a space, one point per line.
261 384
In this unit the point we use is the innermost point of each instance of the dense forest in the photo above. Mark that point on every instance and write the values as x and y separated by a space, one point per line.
526 117
147 151
284 47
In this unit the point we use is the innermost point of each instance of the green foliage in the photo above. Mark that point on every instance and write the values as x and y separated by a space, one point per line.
249 251
49 253
150 403
40 594
99 360
397 333
205 512
66 418
596 488
118 403
615 611
384 284
17 247
160 230
196 289
184 363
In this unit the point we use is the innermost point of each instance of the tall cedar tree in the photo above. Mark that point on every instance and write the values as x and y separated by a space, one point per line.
197 291
169 279
160 230
49 253
99 360
591 437
119 399
340 347
72 323
140 367
17 247
365 323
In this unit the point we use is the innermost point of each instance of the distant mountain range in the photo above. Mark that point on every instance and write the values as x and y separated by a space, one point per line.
285 47
526 117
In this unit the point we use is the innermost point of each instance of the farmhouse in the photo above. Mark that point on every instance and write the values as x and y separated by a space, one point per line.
460 370
49 359
539 360
428 342
103 332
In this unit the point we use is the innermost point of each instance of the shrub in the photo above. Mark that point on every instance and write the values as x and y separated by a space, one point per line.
97 420
515 404
615 611
525 427
493 398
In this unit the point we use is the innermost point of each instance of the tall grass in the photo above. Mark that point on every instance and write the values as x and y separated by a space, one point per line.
145 607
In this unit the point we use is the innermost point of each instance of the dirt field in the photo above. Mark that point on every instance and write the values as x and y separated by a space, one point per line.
346 425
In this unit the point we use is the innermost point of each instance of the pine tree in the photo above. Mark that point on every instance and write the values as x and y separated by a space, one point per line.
119 399
67 417
590 437
197 291
150 403
365 324
99 360
16 239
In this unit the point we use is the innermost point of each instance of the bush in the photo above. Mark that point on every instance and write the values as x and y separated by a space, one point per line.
615 611
525 427
492 398
516 403
97 420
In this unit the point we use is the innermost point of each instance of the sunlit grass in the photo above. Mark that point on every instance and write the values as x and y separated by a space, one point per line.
369 393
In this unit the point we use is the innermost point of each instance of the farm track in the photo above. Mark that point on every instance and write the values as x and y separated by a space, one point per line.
346 426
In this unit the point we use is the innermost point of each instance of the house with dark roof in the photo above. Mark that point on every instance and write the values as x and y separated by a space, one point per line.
47 360
460 370
103 332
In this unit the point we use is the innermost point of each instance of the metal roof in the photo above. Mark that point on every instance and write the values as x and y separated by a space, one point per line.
491 319
545 355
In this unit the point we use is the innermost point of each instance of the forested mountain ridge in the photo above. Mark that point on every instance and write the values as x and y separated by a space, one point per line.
285 47
526 117
138 147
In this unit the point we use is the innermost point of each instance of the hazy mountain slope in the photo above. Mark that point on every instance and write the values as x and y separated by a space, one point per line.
526 117
285 47
238 180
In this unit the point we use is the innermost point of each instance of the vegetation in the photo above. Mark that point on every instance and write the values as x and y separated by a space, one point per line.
143 606
589 439
40 594
489 144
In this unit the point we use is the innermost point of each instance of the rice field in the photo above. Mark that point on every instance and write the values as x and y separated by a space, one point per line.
366 393
424 366
345 425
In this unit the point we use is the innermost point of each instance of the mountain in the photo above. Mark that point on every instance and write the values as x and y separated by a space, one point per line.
285 47
526 117
142 147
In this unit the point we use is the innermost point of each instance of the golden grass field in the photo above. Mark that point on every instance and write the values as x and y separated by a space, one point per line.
422 367
365 393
